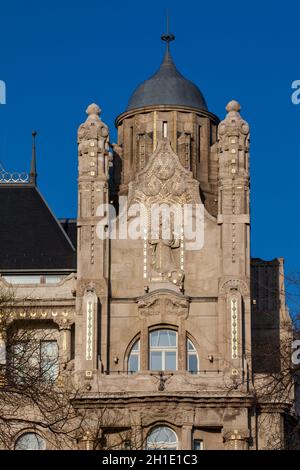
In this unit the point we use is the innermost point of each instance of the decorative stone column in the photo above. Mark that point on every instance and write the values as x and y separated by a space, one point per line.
137 437
236 439
2 348
64 342
2 358
86 442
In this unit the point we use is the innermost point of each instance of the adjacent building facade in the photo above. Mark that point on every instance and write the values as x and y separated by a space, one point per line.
165 332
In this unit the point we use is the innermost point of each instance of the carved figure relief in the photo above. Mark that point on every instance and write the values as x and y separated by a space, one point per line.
164 181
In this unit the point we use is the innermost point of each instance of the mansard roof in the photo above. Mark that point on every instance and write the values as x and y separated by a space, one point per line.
31 238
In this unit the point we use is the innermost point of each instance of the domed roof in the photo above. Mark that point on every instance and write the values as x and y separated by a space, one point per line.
167 87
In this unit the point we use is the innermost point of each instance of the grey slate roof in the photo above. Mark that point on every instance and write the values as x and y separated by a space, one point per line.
31 238
167 87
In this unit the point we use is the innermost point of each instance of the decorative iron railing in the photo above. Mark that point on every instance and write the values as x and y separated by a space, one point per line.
7 177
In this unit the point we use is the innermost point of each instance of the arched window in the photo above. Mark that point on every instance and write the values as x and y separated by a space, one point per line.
134 358
162 437
30 441
163 350
192 358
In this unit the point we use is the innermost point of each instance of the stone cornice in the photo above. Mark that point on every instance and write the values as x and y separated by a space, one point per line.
119 399
149 109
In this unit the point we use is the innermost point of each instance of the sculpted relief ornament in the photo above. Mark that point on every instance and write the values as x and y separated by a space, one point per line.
164 184
234 284
163 304
164 179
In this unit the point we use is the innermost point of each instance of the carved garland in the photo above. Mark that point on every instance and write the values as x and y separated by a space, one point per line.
234 327
89 327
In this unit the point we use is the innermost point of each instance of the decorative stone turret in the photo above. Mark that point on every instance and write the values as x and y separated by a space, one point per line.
234 222
93 163
233 212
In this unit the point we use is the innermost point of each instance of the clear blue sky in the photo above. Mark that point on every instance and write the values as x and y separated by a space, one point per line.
59 56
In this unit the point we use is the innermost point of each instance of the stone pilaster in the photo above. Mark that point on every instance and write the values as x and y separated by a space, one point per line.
186 437
64 342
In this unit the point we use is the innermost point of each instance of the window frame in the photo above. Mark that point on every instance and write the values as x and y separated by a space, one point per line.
200 441
31 354
163 350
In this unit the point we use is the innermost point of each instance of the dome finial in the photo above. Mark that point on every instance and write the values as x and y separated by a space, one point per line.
167 37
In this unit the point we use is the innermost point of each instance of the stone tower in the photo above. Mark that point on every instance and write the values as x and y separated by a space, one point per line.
163 330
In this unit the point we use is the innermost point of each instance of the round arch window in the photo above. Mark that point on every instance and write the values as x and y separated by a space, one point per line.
162 437
163 349
30 441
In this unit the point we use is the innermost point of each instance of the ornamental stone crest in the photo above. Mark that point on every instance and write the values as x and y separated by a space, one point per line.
162 304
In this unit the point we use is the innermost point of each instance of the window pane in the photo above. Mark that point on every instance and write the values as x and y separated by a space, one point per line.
49 359
193 363
133 363
136 346
170 358
23 279
21 359
49 350
153 338
198 444
190 346
51 279
172 338
133 360
163 338
155 360
162 438
19 350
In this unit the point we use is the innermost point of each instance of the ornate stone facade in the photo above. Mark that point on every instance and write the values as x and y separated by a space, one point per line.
125 291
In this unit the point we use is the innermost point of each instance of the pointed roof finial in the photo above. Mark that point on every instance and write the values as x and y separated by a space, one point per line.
33 173
168 37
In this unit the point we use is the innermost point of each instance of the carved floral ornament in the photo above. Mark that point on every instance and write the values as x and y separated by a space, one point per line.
236 435
163 303
61 318
234 284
